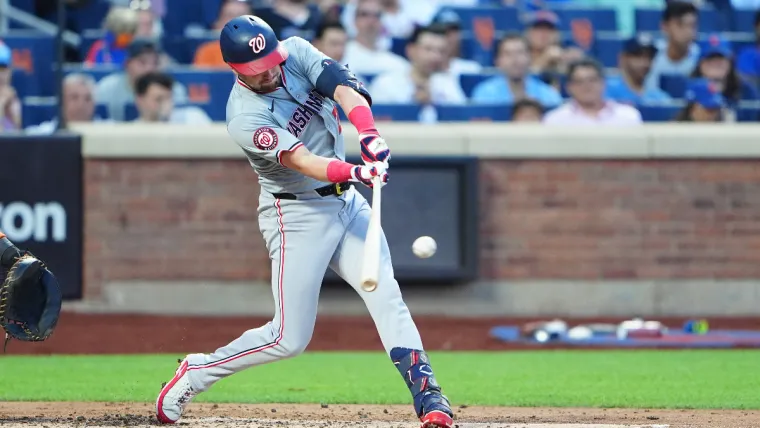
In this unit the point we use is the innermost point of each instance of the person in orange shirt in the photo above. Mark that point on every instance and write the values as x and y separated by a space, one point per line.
209 55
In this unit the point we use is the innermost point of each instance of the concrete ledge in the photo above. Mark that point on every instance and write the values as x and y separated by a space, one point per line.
520 298
488 140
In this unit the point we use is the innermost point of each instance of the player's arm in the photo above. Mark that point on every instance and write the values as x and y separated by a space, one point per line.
257 135
330 170
335 81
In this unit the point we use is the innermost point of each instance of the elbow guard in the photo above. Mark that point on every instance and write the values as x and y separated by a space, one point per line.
334 75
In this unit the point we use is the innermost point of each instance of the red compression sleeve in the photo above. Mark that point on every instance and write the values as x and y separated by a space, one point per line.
361 117
339 171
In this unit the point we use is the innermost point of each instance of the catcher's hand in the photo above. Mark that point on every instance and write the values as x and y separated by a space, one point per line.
30 300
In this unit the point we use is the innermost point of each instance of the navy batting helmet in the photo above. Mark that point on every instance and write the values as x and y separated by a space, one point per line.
250 46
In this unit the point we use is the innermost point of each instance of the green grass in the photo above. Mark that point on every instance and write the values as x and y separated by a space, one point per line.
653 379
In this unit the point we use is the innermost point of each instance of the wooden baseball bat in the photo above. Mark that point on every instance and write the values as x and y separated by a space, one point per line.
371 263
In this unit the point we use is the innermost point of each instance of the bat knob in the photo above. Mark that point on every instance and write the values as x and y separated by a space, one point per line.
369 286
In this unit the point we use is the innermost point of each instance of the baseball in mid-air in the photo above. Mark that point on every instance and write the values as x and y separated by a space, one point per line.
424 247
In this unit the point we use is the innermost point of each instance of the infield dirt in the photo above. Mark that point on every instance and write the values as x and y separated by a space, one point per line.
53 415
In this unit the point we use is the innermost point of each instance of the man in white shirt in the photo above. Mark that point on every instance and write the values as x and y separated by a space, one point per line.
455 64
678 54
585 83
363 55
78 104
153 99
422 83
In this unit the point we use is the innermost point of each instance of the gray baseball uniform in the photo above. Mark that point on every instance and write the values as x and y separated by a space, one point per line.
306 235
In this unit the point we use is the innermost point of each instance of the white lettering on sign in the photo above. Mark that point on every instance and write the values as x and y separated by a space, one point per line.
22 222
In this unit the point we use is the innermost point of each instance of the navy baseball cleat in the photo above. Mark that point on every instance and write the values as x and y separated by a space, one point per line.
431 405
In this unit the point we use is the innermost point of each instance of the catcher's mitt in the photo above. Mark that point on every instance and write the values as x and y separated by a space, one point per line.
30 301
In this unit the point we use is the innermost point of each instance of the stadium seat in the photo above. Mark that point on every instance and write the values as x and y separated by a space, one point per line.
606 50
469 81
479 19
748 114
33 54
23 83
474 113
37 110
601 19
743 21
393 112
674 85
207 87
90 16
659 113
26 6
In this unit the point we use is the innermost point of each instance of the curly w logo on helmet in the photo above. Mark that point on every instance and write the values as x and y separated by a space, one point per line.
258 43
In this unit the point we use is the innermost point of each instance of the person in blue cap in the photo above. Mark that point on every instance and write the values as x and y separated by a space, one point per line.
717 63
705 102
10 106
635 61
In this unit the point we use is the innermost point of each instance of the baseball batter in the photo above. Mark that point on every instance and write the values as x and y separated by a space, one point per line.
282 112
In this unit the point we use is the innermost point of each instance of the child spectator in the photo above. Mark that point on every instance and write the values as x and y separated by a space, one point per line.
705 103
678 54
120 25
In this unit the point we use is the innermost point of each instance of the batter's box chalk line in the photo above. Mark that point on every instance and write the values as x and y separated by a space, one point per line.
291 423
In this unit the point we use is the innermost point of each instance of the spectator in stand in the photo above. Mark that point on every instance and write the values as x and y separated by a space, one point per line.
398 20
116 90
585 83
716 64
290 18
421 83
364 55
527 111
78 103
748 61
154 102
678 54
455 64
209 55
120 28
10 106
513 60
331 40
635 61
705 102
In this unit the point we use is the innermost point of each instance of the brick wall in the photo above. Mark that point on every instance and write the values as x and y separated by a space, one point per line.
171 219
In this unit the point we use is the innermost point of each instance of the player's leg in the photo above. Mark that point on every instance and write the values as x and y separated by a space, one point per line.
301 238
394 323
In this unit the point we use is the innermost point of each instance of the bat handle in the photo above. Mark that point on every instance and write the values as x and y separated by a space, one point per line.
371 264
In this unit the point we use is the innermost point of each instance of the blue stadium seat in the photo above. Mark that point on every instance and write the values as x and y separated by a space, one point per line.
484 55
25 5
33 53
606 50
90 16
469 81
23 82
398 46
744 21
97 72
474 113
658 113
748 114
207 87
34 112
601 19
674 85
503 18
